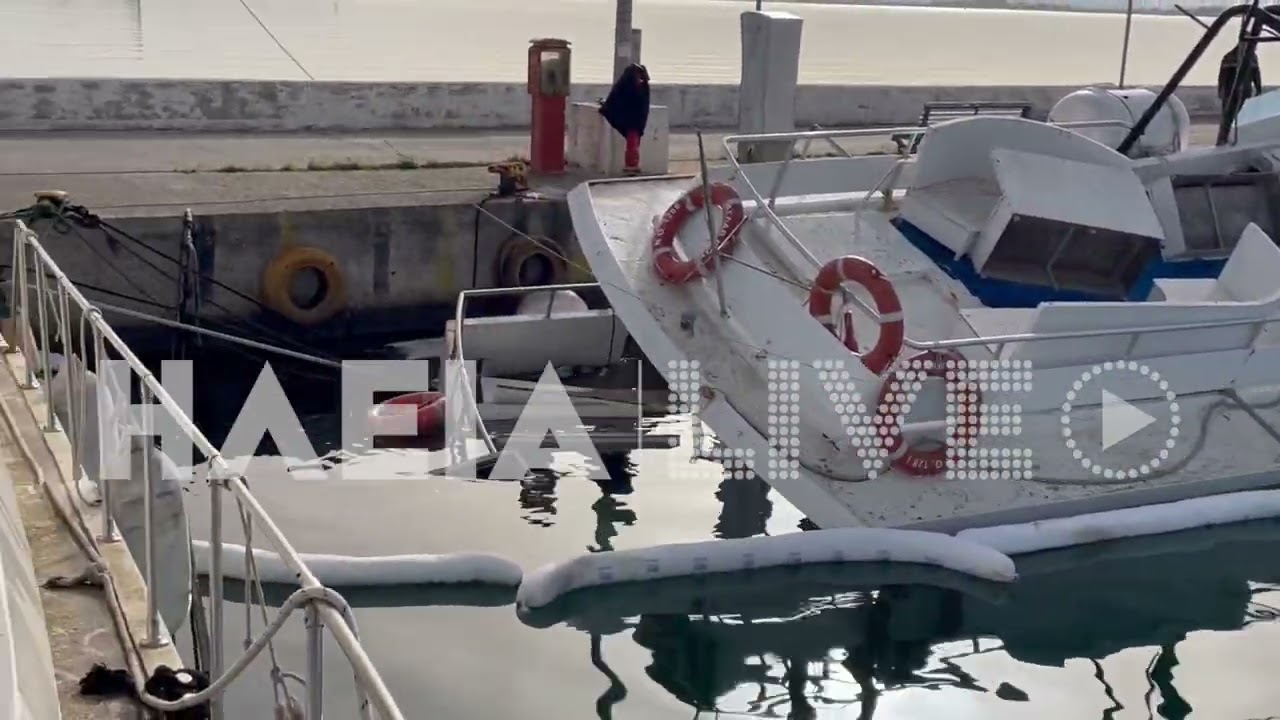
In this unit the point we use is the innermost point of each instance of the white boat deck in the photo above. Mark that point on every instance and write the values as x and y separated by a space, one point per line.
1211 342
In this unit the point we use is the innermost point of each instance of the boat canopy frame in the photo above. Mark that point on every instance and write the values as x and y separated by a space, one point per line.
1264 18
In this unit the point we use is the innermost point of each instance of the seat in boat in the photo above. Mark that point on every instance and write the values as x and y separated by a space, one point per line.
1246 290
1034 204
524 344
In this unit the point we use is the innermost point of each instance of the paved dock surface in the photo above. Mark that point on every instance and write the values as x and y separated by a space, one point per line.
161 173
80 628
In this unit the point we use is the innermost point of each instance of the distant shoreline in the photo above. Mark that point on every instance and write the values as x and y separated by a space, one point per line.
1028 5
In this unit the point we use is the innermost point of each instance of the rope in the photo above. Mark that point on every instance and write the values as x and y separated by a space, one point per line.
275 39
74 521
62 217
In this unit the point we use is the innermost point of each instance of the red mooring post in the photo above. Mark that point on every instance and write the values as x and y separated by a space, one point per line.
549 94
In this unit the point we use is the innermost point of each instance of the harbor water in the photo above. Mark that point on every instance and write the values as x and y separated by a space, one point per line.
685 41
1174 627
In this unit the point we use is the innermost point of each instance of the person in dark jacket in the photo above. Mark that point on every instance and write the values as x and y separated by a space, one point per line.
626 109
1251 78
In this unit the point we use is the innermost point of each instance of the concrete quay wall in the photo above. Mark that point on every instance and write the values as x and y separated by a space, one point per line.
402 267
216 105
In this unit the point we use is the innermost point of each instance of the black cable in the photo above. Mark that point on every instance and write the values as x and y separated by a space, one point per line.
107 261
104 291
88 219
267 332
160 253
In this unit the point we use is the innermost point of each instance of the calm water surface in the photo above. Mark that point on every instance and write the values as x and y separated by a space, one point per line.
685 41
1181 626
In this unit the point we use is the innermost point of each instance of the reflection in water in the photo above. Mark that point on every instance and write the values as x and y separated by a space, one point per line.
792 642
608 509
1172 706
746 507
538 499
617 692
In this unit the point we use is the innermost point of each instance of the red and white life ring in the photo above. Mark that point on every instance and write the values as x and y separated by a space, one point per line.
667 262
429 410
931 461
893 332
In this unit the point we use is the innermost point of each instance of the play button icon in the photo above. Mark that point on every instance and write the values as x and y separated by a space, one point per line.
1090 430
1120 420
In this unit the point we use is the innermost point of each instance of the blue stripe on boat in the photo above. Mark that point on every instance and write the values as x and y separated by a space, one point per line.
996 293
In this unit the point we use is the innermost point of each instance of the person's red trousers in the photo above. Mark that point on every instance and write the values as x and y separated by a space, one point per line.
631 160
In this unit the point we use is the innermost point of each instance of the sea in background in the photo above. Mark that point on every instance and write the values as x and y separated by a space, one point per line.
685 41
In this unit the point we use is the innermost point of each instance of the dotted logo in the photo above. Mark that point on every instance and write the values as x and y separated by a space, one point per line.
684 383
784 419
882 443
949 446
1133 420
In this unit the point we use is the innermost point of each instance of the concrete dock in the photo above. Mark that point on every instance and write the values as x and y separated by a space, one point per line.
398 212
160 173
62 632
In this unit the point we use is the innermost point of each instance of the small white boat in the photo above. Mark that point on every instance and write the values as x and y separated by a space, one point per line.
507 357
1054 328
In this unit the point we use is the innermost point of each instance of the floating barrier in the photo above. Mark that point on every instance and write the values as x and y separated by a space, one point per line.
355 571
840 545
1128 523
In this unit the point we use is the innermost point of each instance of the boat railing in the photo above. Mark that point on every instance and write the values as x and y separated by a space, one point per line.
57 301
456 354
766 207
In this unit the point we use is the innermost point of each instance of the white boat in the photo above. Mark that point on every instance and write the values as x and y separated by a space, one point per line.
552 329
1055 328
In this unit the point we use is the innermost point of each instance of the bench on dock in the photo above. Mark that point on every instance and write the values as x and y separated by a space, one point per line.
940 112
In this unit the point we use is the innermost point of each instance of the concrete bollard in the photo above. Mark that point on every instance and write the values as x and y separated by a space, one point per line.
767 90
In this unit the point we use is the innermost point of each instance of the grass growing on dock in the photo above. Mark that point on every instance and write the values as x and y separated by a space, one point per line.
348 165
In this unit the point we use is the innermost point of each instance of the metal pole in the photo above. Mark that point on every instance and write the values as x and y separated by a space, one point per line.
711 231
15 344
622 37
315 663
154 637
1124 53
41 289
104 483
72 424
215 583
635 45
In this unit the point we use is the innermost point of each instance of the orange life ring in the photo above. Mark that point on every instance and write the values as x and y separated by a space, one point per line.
931 461
667 262
429 409
893 332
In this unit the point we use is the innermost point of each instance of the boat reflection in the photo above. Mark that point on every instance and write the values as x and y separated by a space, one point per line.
789 642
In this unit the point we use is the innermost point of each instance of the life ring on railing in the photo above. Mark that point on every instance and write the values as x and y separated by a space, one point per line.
429 410
328 298
893 333
667 262
927 462
522 262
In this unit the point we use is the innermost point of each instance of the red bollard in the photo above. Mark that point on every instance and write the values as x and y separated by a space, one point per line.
549 90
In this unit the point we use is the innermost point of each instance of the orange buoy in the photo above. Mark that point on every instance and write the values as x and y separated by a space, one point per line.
429 410
927 462
893 332
667 262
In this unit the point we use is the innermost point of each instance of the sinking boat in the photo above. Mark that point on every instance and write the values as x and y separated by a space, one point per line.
504 355
1015 323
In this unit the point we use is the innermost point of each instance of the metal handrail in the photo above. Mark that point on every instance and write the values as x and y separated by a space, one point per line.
324 606
767 208
455 347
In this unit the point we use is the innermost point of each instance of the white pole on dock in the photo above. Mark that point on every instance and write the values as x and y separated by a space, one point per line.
622 38
1124 53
